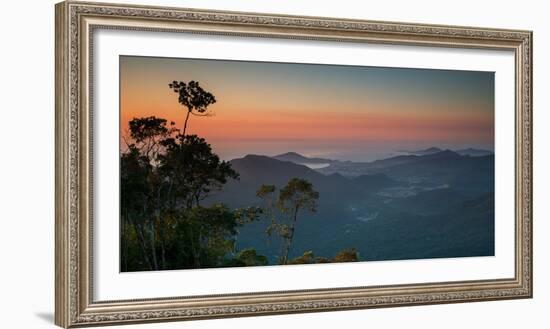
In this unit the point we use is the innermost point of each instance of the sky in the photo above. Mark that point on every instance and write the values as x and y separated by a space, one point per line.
343 112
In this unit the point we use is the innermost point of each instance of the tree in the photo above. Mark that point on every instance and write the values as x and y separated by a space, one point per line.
193 97
343 256
306 258
203 236
247 257
160 175
346 255
165 175
135 202
141 186
191 171
297 195
267 194
146 134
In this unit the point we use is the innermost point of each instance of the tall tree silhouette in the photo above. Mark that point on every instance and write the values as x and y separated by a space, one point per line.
297 195
163 179
193 97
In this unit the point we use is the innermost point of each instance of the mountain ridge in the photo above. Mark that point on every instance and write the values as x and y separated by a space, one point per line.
404 207
299 158
471 151
433 151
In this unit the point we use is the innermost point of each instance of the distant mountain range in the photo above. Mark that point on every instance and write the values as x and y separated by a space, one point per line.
429 150
435 168
439 204
443 167
298 158
256 170
468 151
474 152
352 168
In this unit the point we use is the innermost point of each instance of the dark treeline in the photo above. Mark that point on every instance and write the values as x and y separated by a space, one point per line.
166 174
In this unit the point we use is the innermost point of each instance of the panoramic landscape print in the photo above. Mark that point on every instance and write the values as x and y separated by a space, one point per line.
234 163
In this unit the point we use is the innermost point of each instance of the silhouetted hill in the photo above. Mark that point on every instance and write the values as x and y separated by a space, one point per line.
270 170
412 206
446 154
467 151
353 169
393 161
461 172
300 159
434 168
429 150
256 170
474 152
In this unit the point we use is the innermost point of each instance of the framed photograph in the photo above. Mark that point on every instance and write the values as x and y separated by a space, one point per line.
219 164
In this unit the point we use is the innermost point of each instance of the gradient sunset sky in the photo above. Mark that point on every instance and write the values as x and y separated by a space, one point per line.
342 112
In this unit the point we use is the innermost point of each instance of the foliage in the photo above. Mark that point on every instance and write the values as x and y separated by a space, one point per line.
165 176
306 258
146 134
298 194
248 214
346 255
191 171
247 257
204 236
150 128
193 97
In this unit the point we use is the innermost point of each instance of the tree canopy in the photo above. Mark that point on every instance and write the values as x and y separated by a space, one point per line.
166 174
193 97
298 194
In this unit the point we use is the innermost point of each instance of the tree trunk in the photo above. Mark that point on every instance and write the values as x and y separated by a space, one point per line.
124 247
162 242
185 124
141 242
163 254
153 245
162 230
289 240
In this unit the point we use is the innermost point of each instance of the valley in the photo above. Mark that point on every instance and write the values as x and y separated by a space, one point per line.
436 204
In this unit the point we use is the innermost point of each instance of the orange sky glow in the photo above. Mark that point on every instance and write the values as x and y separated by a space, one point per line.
272 108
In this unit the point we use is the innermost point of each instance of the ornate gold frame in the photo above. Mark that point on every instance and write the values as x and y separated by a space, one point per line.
76 21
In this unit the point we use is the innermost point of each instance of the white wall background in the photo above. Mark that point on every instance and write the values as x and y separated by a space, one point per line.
27 163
